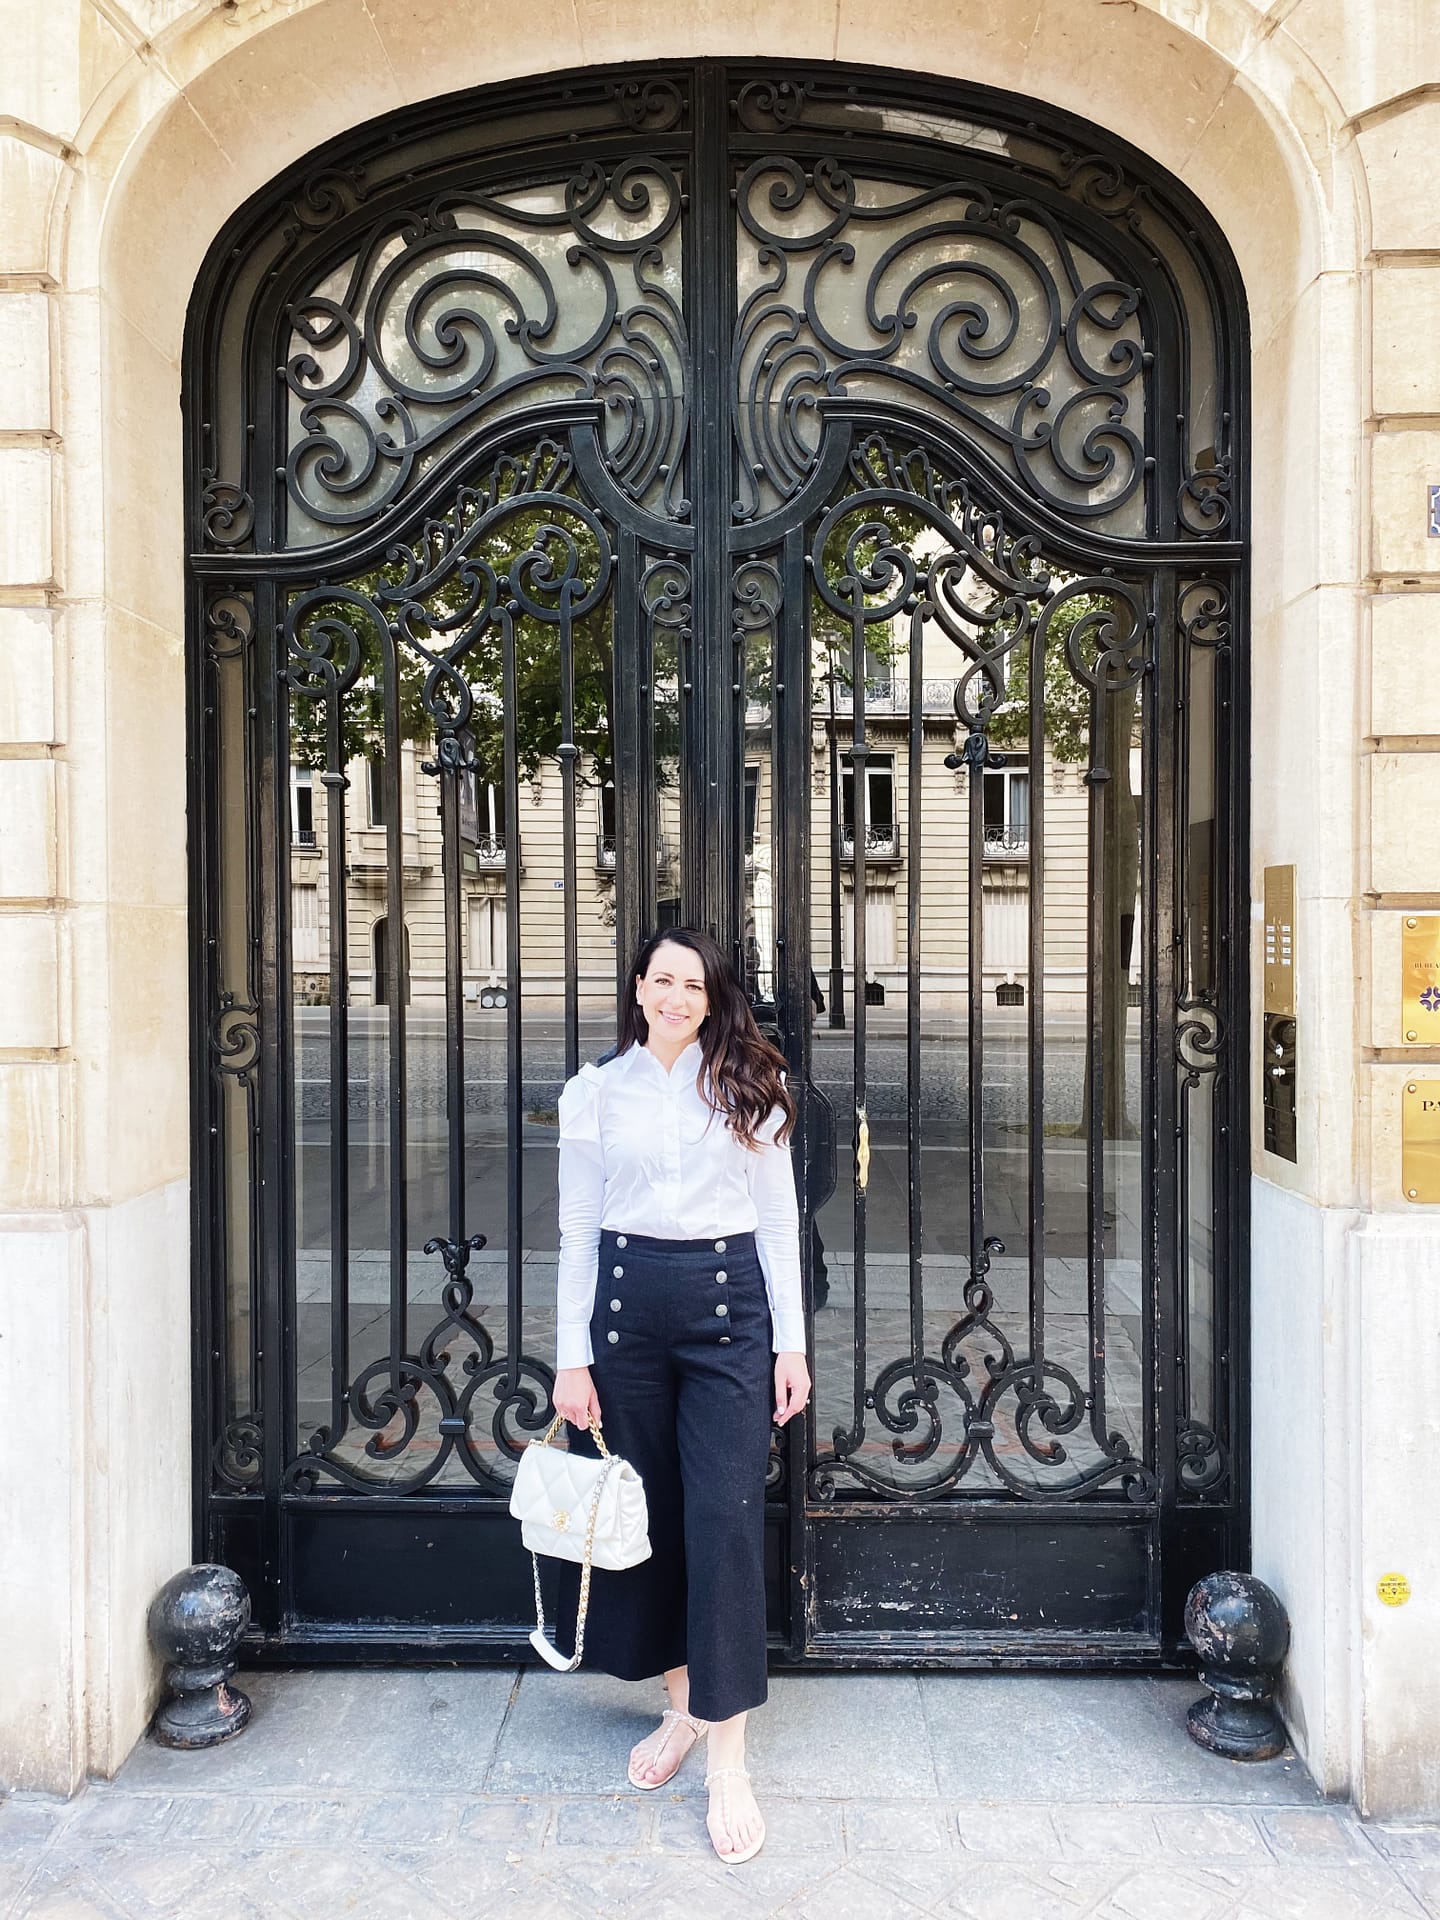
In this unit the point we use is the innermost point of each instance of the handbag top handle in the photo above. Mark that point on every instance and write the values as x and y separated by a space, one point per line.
559 1421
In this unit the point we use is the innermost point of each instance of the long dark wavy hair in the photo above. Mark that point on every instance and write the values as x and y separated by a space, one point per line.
745 1073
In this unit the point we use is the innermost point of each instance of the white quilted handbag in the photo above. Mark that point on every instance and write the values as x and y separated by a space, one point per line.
576 1508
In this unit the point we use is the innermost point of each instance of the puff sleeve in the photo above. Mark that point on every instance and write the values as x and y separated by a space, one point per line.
582 1190
777 1235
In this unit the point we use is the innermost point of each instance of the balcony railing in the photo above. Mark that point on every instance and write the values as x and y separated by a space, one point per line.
882 697
1007 843
605 853
881 844
490 850
303 837
890 696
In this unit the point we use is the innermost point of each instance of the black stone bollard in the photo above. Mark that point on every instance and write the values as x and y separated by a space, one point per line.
1242 1634
195 1622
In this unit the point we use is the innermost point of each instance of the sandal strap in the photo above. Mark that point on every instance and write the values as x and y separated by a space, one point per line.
697 1727
720 1773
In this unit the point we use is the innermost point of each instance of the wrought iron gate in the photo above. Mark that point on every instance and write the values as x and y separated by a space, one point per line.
808 504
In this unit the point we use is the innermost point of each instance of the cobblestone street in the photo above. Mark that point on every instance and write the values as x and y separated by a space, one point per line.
455 1795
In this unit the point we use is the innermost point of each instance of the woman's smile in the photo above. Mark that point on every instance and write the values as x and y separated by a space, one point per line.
672 997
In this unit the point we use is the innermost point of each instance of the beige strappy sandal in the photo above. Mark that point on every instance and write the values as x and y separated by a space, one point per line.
669 1720
733 1859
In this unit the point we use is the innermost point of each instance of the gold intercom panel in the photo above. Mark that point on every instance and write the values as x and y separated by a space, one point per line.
1278 1068
1280 940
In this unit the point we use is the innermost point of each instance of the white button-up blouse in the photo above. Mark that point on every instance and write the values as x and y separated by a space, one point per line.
641 1151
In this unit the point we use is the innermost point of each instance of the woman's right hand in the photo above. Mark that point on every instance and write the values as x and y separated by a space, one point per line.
575 1396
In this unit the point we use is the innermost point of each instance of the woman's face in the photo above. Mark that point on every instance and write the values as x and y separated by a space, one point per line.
672 994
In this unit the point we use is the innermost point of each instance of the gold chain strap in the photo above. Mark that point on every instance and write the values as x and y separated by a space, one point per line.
595 1434
584 1606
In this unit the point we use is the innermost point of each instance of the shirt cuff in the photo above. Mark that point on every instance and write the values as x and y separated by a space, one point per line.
573 1347
789 1334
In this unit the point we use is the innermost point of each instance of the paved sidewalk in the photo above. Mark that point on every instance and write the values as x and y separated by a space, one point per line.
454 1795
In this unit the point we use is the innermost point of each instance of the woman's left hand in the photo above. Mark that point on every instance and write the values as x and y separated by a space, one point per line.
792 1385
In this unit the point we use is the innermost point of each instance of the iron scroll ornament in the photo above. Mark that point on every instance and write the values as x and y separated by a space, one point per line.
809 113
473 306
984 310
517 547
392 1406
989 593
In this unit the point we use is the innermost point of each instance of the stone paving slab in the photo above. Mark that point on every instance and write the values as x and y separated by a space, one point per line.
392 1796
1089 1737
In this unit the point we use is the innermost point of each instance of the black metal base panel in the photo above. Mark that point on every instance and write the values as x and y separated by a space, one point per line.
807 503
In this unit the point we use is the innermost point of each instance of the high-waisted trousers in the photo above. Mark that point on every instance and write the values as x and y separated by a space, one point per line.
683 1370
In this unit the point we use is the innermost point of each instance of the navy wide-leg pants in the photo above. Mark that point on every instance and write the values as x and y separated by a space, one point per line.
683 1368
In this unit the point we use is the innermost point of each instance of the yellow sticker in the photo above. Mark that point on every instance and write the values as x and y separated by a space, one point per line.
1393 1589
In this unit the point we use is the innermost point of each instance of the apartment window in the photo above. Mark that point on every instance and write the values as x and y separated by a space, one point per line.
302 806
305 926
605 850
375 789
1007 811
487 935
380 953
879 677
879 804
752 805
879 929
482 813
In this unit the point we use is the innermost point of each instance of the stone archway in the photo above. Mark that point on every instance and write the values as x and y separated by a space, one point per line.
203 129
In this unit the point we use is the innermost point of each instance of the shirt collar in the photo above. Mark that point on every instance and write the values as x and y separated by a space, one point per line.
686 1068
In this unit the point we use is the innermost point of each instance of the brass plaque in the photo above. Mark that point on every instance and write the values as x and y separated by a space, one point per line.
1420 1140
1280 940
1420 979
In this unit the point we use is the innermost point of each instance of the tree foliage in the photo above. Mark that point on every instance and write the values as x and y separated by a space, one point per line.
1066 699
537 689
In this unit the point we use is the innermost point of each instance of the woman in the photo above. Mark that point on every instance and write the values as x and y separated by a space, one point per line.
676 1190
